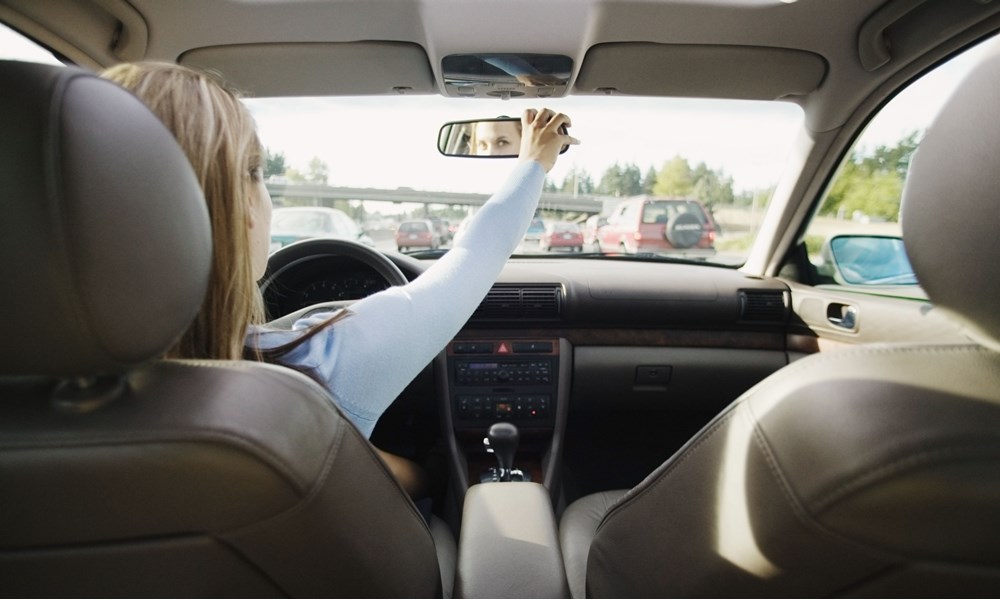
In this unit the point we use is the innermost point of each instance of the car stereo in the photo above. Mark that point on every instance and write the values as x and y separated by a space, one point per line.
503 380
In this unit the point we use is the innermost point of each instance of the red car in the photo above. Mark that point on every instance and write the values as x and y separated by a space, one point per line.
418 233
561 234
677 226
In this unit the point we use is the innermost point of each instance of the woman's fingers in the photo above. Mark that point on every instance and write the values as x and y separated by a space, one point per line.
544 136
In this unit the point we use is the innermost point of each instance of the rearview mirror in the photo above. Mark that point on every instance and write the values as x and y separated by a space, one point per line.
482 138
869 260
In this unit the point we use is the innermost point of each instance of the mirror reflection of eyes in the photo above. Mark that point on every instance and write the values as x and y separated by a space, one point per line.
497 138
487 138
489 145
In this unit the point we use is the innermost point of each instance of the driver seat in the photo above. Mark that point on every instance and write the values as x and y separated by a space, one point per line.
122 474
872 471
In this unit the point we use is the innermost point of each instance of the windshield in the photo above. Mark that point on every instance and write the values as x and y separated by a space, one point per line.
376 160
312 223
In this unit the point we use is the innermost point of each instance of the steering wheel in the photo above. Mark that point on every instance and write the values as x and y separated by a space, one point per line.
293 254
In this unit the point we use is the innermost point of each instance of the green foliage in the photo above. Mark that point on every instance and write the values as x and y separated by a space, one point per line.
736 243
814 244
621 181
678 178
649 181
872 183
675 178
712 187
274 164
318 171
577 181
295 176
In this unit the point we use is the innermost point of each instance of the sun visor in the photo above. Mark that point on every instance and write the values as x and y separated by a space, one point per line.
319 69
702 71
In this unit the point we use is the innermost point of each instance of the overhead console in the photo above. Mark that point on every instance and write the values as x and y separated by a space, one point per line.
506 75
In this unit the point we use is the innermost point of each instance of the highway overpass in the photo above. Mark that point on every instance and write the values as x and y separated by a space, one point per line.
323 195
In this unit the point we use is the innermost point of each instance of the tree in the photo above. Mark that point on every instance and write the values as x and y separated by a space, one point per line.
872 184
895 158
294 176
674 178
274 164
712 187
649 181
318 171
677 178
577 181
858 188
621 181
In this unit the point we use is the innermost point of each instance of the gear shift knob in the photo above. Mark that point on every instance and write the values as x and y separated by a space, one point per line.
503 439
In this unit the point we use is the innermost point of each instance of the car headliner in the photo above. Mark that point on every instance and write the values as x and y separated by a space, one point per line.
840 61
817 53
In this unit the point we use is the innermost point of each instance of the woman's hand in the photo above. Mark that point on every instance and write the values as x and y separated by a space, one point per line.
543 136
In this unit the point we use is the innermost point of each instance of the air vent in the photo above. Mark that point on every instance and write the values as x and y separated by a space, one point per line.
521 302
763 306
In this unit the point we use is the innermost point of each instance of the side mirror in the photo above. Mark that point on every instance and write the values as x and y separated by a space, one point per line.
482 138
869 260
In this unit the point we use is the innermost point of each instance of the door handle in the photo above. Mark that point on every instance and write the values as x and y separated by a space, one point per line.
843 316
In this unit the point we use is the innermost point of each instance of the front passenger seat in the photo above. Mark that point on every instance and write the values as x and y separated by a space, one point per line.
125 475
867 472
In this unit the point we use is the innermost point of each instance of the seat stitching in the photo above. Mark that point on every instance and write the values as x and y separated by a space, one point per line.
903 464
772 465
804 516
167 436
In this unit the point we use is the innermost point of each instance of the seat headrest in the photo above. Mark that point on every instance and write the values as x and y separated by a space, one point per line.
950 205
104 233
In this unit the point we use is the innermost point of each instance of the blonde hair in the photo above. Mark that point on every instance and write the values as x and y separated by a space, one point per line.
219 136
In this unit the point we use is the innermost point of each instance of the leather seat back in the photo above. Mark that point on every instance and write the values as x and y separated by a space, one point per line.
871 471
125 475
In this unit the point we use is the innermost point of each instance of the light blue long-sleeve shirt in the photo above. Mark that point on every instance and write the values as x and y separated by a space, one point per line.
368 358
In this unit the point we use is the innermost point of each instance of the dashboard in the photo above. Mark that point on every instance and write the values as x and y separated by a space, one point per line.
609 362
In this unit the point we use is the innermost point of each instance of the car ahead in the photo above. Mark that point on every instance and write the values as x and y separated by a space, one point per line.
561 234
294 224
443 229
787 118
417 233
680 227
535 230
590 227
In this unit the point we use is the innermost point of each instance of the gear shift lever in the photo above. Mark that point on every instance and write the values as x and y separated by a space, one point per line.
503 438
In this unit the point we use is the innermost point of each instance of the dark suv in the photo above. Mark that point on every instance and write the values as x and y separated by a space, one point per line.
676 226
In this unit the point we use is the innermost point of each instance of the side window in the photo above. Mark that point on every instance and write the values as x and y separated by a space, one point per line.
855 239
14 46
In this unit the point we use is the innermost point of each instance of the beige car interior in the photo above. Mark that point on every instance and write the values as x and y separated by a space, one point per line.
161 477
867 472
873 471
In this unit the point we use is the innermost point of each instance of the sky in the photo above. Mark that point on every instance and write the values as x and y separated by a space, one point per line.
389 142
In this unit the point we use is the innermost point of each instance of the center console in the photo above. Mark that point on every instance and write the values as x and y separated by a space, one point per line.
503 380
491 380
